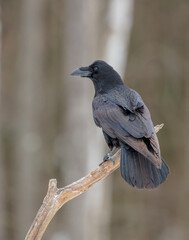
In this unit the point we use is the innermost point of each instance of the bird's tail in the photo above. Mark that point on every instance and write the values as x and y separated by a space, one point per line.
139 172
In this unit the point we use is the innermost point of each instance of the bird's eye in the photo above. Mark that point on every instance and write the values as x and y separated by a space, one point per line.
95 69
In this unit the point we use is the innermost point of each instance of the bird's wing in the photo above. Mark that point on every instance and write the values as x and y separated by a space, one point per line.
128 98
127 127
133 116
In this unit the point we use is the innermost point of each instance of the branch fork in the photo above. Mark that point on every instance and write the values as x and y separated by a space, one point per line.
57 197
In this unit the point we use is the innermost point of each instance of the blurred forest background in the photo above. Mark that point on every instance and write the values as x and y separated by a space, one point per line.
47 130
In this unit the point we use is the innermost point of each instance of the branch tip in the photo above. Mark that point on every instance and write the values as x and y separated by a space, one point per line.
158 127
52 188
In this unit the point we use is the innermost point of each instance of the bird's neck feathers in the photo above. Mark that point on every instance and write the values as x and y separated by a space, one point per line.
106 83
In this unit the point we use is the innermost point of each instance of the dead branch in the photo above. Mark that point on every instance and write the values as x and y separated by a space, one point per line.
57 197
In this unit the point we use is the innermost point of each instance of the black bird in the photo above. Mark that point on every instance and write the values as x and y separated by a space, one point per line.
126 122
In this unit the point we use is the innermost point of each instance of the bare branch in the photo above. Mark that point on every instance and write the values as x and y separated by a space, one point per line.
57 197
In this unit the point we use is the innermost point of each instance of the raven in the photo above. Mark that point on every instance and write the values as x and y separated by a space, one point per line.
126 123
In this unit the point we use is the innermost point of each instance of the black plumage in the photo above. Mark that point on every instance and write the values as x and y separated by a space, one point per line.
126 123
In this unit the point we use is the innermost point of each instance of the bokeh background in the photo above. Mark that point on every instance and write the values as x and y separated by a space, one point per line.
47 130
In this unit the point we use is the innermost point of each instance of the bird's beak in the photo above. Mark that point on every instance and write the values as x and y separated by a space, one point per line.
82 72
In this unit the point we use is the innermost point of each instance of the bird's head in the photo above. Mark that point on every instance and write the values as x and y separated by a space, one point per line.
102 74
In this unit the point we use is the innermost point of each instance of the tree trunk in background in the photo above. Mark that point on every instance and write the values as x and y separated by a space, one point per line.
83 146
2 172
30 109
120 17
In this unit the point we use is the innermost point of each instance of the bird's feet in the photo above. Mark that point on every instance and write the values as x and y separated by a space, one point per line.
107 157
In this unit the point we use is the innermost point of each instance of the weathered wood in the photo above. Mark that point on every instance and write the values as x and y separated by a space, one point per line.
57 197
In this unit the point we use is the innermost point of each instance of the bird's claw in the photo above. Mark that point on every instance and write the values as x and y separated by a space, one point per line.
107 157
